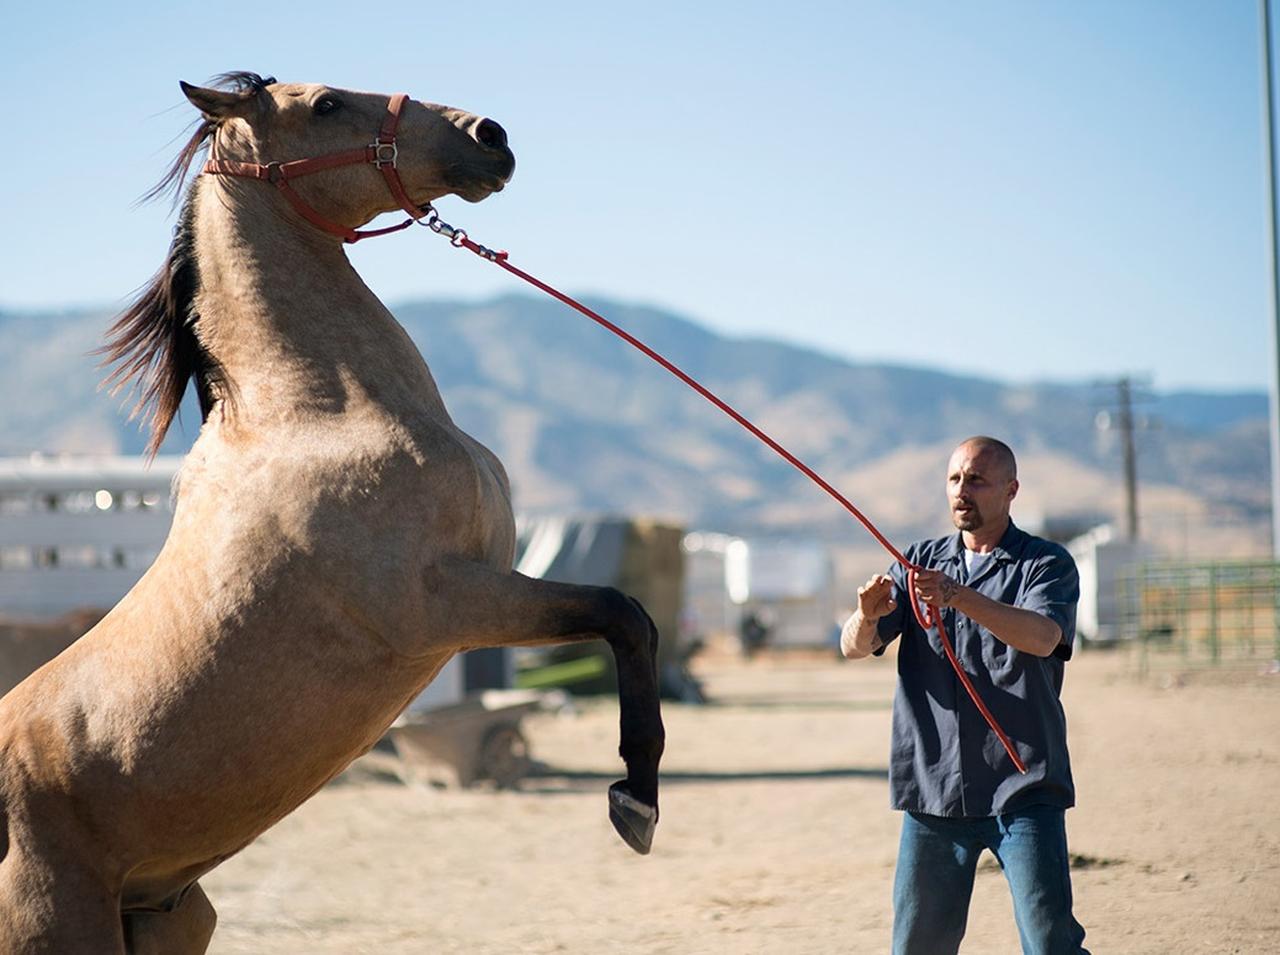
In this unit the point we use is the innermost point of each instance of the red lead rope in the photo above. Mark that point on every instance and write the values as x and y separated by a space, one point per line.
925 616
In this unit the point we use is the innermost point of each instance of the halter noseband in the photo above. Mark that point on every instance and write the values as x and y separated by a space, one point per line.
382 153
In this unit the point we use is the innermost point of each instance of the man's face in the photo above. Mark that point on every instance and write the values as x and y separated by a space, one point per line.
979 488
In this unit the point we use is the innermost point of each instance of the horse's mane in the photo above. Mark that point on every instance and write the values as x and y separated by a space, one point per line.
153 344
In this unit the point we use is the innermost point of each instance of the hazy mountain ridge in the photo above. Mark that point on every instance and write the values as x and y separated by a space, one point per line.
583 422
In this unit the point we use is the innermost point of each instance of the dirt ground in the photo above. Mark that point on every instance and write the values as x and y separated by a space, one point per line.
775 834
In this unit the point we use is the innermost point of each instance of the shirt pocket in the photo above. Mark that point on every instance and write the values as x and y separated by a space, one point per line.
998 657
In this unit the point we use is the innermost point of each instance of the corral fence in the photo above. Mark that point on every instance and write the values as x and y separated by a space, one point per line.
1214 613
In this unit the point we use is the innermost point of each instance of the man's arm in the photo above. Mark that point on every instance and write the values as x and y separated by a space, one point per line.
860 638
1023 630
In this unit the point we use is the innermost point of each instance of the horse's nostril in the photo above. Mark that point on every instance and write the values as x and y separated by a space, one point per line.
488 133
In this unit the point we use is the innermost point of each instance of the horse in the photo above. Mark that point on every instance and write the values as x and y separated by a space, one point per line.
336 538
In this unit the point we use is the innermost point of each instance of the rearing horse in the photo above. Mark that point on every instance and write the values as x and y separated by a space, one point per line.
335 541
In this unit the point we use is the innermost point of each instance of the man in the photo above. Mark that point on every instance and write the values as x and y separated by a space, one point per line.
1008 602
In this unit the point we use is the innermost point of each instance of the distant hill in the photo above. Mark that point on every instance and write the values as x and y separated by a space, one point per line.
584 423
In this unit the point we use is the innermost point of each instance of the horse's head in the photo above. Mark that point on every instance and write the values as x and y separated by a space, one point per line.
339 157
438 150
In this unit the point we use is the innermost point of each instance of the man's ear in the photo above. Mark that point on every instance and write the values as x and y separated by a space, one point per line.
1013 488
217 104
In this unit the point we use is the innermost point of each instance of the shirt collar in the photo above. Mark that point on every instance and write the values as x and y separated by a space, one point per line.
1011 543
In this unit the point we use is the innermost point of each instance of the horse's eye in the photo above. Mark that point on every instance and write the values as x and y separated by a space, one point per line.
326 105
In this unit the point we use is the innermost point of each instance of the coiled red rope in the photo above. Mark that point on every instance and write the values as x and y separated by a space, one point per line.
925 615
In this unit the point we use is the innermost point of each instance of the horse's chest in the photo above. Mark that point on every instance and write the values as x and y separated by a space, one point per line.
439 487
352 500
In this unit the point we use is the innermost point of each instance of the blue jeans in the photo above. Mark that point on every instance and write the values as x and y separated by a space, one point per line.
937 859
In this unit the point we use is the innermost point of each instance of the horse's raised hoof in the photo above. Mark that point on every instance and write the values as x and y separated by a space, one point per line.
634 820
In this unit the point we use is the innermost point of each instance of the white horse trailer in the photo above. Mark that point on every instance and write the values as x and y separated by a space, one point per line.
1104 557
78 532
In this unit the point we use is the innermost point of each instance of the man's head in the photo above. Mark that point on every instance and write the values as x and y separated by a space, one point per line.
982 481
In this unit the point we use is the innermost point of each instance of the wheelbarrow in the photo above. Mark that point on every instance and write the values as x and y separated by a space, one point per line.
462 744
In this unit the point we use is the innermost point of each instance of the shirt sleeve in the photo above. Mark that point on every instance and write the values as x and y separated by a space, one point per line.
1053 590
889 627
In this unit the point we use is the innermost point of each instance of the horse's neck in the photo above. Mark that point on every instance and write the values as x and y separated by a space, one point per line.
291 324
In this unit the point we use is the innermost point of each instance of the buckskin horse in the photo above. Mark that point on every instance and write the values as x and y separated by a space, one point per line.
336 537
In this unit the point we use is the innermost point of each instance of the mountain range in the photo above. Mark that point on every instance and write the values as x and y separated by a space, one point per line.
585 424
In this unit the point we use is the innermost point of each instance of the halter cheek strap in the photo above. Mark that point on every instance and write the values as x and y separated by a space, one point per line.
383 153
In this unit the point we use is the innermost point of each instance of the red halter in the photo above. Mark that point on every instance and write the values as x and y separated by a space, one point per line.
382 153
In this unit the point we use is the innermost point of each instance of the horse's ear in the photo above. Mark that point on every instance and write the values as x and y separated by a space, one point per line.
216 104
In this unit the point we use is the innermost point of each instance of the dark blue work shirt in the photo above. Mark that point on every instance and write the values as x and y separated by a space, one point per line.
945 760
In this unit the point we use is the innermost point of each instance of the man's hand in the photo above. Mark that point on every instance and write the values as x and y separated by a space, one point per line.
1021 629
875 598
936 589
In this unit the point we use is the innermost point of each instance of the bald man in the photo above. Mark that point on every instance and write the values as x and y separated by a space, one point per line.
1008 601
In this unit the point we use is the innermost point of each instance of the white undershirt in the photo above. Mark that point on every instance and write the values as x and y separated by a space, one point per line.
973 559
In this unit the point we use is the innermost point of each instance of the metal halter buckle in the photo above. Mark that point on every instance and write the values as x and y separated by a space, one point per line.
439 226
380 155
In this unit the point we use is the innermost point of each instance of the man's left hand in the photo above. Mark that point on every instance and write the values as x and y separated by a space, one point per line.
936 589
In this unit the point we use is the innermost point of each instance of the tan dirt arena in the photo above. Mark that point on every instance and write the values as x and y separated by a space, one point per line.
775 834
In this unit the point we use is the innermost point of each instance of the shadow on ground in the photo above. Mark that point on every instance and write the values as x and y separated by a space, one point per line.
544 778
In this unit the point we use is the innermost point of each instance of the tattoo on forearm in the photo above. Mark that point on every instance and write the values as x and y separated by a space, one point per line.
948 589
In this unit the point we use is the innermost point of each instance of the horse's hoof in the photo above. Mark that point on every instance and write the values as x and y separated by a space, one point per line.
634 820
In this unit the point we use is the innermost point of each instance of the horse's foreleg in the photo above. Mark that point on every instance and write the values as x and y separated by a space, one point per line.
184 931
481 607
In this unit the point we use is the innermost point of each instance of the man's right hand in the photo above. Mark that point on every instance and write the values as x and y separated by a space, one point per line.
875 597
858 638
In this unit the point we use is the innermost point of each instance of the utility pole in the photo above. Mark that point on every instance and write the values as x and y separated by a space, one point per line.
1124 393
1269 147
1123 421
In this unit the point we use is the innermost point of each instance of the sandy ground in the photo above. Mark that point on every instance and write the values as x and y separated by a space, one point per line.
775 833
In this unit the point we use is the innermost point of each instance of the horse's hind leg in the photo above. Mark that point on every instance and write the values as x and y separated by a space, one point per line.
184 931
481 607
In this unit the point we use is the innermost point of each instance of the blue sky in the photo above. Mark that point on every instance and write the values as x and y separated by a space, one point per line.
1011 189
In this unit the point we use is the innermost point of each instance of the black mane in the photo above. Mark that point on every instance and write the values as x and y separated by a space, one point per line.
153 344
